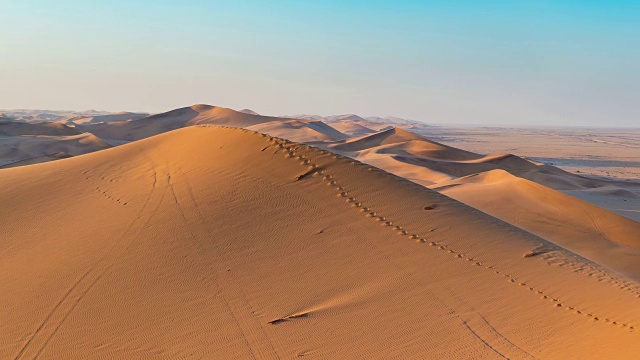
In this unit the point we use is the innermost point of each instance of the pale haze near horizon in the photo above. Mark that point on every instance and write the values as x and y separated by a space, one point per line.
524 63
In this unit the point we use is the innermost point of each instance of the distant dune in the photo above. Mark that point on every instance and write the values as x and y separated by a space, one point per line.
348 117
121 116
303 117
176 119
211 242
353 118
497 185
27 150
16 128
300 130
34 115
398 141
249 111
23 143
351 128
416 151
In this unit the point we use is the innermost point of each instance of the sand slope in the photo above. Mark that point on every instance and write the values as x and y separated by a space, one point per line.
607 238
500 185
211 242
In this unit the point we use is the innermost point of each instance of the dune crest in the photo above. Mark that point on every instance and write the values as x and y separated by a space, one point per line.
190 244
199 114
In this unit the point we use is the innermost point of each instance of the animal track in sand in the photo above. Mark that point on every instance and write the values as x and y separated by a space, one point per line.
107 195
287 318
372 214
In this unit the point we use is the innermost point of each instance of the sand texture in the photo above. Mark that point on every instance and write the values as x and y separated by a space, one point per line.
515 190
217 243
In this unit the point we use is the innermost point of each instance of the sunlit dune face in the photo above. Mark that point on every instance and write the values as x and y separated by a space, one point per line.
226 243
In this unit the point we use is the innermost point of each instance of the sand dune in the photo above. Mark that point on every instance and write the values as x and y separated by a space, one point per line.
300 130
303 117
413 157
175 119
17 128
34 115
352 128
343 117
401 142
546 175
248 111
211 242
23 143
607 238
392 136
415 151
27 150
407 123
497 184
121 116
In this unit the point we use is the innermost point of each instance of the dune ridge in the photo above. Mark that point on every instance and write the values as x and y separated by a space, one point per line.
175 119
191 245
430 164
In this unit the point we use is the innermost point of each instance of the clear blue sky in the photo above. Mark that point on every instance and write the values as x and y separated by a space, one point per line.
511 62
